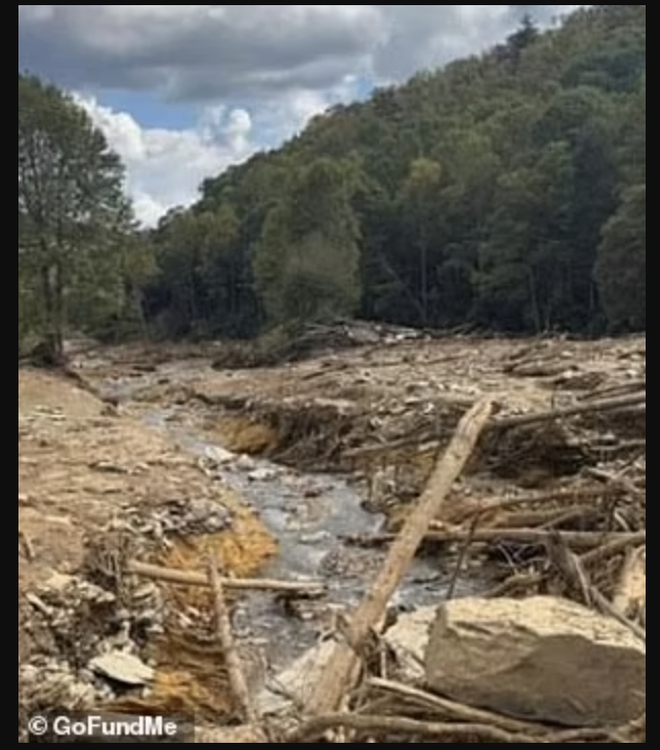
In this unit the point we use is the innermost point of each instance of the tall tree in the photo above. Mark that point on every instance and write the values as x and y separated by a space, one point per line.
621 266
307 260
73 216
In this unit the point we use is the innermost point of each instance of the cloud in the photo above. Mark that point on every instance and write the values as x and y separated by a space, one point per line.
165 167
203 52
255 73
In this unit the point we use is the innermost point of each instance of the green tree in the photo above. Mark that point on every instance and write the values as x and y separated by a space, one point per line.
306 262
73 216
621 265
420 196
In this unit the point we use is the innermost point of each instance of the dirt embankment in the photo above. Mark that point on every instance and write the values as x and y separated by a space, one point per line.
96 488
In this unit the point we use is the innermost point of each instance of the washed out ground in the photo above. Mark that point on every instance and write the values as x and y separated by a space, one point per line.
159 454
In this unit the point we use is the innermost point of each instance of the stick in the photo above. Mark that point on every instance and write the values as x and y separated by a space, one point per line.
613 547
611 390
226 638
514 421
614 480
336 676
631 587
379 724
512 582
462 556
453 709
302 588
569 411
557 496
577 539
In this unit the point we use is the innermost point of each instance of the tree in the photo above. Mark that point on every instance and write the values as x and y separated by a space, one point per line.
306 262
621 265
420 196
72 214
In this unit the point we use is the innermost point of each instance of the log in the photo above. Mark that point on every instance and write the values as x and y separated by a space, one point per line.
630 593
315 727
506 422
576 539
569 411
613 547
191 578
226 639
555 496
336 678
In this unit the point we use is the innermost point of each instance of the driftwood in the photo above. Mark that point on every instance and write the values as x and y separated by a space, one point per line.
451 709
577 539
573 572
630 590
431 442
569 411
336 678
554 496
226 638
615 390
378 725
300 588
614 547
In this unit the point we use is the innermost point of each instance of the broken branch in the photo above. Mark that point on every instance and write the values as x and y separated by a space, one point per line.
341 666
226 638
189 578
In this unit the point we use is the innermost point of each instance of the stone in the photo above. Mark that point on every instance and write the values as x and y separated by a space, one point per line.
290 688
219 455
122 667
408 638
542 658
245 463
262 474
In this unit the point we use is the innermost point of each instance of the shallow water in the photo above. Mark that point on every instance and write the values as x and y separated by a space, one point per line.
309 514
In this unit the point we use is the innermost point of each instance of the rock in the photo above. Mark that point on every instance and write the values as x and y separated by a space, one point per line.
245 463
58 582
542 658
122 667
262 474
219 455
290 689
408 638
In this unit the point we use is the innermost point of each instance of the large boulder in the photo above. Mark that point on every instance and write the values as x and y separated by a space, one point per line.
543 658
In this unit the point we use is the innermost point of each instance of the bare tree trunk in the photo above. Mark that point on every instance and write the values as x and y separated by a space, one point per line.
340 671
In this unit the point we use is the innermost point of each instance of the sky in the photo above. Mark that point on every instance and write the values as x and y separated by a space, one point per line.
181 92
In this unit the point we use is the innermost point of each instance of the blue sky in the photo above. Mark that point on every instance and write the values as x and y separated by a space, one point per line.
183 91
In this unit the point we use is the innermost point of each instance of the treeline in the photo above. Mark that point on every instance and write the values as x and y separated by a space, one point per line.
506 191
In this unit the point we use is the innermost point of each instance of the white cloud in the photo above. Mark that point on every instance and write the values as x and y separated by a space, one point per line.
259 72
166 167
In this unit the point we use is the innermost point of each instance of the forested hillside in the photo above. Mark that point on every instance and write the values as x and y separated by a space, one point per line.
506 192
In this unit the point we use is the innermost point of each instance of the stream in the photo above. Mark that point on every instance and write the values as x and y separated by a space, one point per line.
310 515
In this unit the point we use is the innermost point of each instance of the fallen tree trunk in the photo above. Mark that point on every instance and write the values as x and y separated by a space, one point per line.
576 539
302 588
226 638
337 675
569 411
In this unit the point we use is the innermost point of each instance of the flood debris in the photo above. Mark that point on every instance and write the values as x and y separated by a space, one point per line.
523 458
